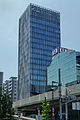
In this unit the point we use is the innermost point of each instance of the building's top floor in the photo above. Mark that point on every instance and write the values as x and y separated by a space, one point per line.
1 72
1 76
6 82
61 53
58 51
41 10
10 80
61 49
44 9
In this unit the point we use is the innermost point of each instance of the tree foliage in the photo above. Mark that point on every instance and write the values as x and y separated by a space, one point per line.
46 110
6 110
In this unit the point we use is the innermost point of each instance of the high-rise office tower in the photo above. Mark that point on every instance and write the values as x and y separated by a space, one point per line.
39 34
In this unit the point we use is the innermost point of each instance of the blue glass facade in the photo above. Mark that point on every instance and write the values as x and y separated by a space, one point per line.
69 63
41 35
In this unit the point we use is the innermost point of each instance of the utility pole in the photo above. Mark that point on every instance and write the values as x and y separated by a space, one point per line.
59 71
53 89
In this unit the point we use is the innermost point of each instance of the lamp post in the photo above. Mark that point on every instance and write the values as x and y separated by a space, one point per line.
39 116
67 95
53 115
60 102
66 105
59 71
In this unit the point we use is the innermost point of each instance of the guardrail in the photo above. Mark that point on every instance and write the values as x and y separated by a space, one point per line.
22 118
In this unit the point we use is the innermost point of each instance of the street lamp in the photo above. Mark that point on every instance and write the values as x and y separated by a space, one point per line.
67 95
53 88
60 102
59 72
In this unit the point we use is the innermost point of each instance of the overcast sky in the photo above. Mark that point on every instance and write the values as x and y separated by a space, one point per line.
11 10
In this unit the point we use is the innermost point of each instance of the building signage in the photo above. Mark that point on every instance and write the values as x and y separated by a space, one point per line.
60 49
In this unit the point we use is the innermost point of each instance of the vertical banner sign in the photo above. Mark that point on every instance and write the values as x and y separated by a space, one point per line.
76 105
53 116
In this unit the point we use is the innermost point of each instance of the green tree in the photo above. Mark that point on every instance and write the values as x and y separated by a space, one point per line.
46 110
6 110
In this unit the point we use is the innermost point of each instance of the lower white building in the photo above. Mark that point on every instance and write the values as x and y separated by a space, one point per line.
11 86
